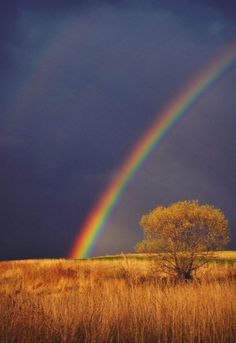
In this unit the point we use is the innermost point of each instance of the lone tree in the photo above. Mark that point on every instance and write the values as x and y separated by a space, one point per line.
185 234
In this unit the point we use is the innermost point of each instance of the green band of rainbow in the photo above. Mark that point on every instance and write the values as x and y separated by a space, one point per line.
98 217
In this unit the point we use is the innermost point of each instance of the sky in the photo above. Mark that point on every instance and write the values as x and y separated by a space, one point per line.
81 82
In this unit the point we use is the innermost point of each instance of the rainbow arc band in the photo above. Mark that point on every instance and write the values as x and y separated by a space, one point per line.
98 217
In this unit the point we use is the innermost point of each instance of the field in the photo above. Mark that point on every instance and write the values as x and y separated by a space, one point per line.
116 299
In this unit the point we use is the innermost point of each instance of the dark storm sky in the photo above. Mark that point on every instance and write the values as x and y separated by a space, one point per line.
80 83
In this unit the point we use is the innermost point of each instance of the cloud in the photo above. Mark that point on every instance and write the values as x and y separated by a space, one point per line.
81 88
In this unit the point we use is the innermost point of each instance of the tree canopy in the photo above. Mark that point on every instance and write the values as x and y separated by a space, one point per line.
184 234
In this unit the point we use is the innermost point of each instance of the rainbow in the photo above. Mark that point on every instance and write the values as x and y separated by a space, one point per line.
56 49
97 219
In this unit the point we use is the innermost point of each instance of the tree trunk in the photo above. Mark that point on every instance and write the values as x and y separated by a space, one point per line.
184 275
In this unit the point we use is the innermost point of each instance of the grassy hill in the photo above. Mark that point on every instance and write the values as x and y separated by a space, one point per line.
119 298
228 256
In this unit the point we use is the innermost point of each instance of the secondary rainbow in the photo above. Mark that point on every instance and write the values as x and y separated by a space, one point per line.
96 220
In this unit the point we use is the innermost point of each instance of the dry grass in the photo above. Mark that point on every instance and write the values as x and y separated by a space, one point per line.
102 301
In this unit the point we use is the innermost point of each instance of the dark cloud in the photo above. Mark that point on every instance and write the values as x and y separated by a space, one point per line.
80 88
227 8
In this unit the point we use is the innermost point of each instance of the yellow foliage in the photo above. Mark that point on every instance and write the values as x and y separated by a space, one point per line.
187 232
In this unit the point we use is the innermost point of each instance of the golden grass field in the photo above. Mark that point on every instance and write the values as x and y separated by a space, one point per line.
113 300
